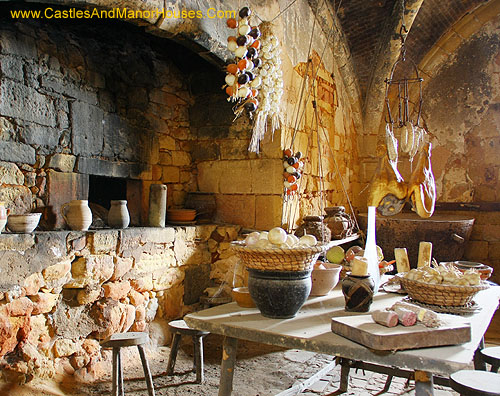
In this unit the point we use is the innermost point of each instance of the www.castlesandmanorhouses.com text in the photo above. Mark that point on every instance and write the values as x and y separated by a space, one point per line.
121 13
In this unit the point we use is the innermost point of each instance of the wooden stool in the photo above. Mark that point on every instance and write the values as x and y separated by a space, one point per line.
491 355
475 383
178 329
119 340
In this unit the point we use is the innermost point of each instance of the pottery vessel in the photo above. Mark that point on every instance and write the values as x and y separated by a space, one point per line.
314 225
358 292
25 223
3 216
118 216
181 215
324 279
157 205
279 294
339 222
77 214
242 297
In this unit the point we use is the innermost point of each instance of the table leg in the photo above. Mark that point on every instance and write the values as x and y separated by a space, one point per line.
424 384
229 347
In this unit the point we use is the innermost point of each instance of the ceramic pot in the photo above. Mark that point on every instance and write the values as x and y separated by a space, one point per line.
279 294
25 223
358 292
339 222
3 216
78 215
204 204
314 225
157 205
118 216
324 279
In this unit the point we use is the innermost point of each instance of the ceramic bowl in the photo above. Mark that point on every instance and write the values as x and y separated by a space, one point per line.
242 297
484 270
25 223
181 214
324 279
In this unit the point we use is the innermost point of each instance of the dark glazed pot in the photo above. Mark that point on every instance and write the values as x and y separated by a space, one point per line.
279 294
358 292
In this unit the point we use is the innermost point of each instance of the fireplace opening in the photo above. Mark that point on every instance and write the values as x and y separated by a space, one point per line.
103 190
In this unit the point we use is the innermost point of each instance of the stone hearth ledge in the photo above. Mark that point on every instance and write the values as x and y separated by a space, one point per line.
61 292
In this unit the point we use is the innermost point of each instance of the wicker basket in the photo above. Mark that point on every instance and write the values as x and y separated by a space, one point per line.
445 295
276 259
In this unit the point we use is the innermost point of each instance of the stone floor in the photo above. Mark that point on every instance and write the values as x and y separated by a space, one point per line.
261 371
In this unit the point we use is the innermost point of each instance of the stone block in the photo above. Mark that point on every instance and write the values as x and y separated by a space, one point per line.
136 299
44 302
210 174
35 134
153 262
167 143
10 330
12 68
180 158
167 278
10 174
112 317
104 242
25 103
116 290
494 251
122 266
235 177
57 271
62 162
203 232
73 322
120 140
33 283
171 302
271 183
17 198
89 295
14 269
205 151
196 279
145 283
18 242
268 211
232 149
65 347
170 174
236 209
101 167
17 152
90 270
88 129
20 307
139 325
63 187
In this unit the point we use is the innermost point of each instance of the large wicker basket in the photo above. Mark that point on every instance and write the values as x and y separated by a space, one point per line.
276 259
442 294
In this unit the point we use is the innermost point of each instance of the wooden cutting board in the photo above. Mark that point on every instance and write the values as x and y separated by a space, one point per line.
363 330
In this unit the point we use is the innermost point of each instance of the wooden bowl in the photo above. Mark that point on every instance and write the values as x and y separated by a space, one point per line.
25 223
181 214
484 270
242 297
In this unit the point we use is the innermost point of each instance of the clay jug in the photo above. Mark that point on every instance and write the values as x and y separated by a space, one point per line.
118 216
339 222
3 216
78 216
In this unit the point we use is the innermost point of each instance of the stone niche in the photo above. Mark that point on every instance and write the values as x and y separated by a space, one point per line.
61 292
85 104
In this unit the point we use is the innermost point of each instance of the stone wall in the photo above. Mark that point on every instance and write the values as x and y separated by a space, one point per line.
62 292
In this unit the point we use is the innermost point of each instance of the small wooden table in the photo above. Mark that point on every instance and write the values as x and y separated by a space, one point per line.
311 330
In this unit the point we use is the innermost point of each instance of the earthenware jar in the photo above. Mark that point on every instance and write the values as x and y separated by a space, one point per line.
157 205
3 216
78 216
358 292
118 216
314 225
279 294
339 222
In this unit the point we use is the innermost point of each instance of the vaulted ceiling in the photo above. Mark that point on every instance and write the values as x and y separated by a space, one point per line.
364 21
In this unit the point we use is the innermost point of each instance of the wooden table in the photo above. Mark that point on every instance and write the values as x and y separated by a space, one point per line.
311 330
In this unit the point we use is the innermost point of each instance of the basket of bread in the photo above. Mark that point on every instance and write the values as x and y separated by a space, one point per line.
442 284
